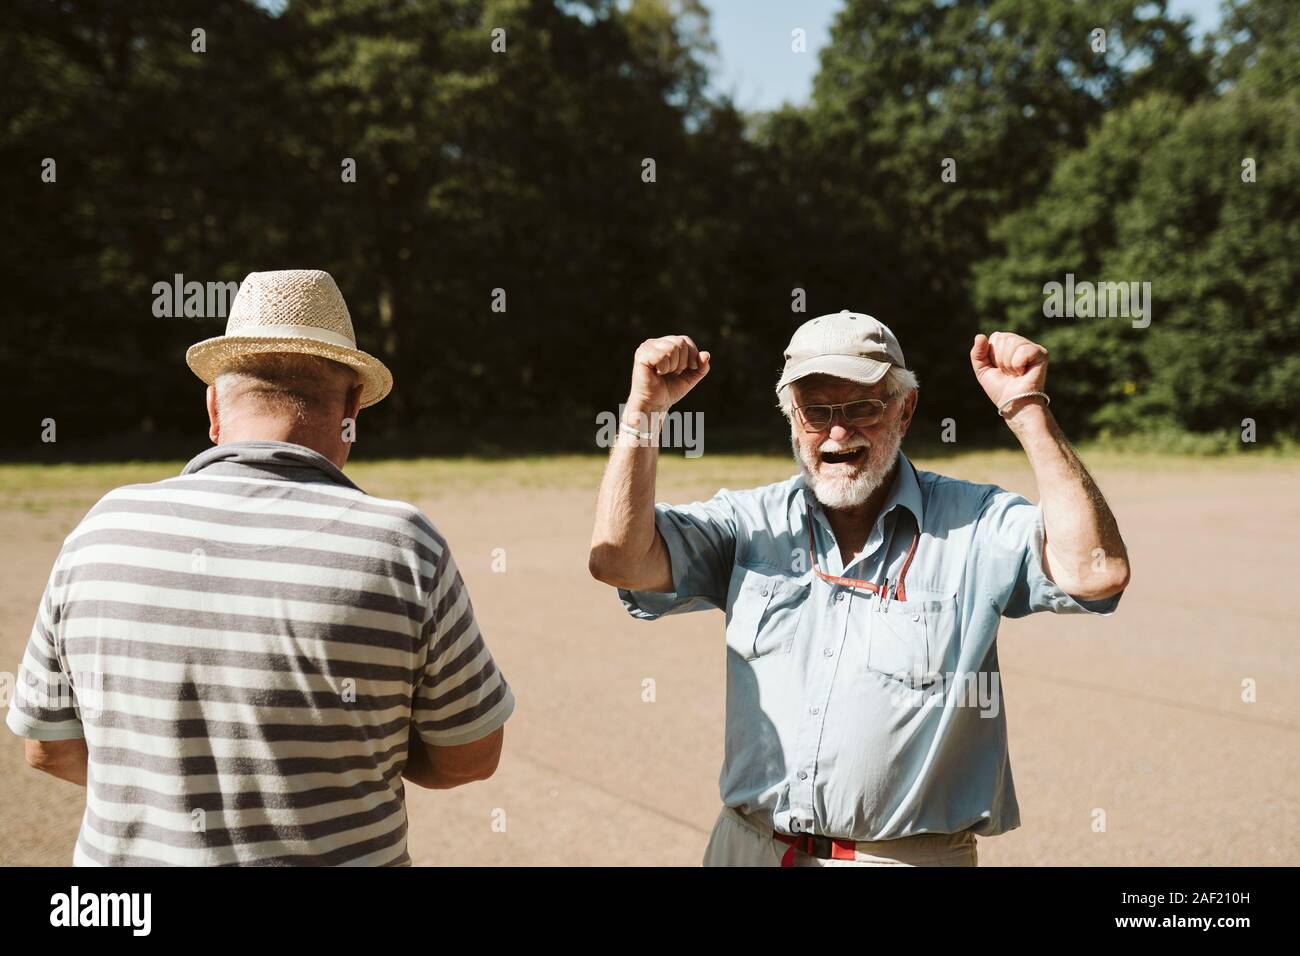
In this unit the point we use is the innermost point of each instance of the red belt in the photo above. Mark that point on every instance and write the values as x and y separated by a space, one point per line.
815 845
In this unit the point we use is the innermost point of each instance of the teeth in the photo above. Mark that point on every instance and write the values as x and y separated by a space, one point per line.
827 455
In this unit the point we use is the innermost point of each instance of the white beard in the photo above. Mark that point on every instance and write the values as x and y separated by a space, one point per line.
844 492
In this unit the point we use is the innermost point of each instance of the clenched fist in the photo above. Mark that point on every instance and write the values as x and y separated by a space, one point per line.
1007 364
664 370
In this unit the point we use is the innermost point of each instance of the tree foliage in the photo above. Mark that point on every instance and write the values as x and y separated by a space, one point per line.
522 170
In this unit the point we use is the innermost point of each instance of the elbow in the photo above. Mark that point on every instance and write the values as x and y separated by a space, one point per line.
444 780
1094 577
483 765
492 759
596 562
1101 586
603 564
63 759
37 760
43 756
450 781
486 768
1118 575
1121 582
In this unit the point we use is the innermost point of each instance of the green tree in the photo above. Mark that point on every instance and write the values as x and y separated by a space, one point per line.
1203 202
476 169
162 167
1004 90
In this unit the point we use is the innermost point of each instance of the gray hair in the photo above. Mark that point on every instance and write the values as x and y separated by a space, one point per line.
307 387
898 382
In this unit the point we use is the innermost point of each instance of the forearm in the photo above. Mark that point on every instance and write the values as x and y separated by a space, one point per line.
429 779
421 770
418 769
71 772
1084 553
68 763
626 550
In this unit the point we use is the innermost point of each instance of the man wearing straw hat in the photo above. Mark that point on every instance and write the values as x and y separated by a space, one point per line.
864 723
242 663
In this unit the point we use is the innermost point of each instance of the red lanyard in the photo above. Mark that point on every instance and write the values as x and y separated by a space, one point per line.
882 589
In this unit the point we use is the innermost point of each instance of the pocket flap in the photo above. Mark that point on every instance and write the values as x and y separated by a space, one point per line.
913 642
765 611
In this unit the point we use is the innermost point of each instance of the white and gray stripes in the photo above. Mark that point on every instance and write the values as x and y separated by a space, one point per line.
244 648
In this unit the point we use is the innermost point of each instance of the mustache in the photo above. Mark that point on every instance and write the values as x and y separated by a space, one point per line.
831 447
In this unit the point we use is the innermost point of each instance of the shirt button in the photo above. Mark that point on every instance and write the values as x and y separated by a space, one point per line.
803 774
815 709
839 596
828 652
763 592
916 615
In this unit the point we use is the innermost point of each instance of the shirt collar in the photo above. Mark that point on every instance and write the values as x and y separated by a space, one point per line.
906 490
282 454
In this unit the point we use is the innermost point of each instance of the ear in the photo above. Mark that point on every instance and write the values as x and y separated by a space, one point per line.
214 426
909 409
352 404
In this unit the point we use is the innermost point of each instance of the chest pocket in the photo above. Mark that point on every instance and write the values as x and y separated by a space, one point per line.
765 610
914 642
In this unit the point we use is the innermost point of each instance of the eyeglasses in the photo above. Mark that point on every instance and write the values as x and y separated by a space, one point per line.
863 413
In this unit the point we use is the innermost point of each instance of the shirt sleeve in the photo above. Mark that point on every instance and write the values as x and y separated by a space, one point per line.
44 705
701 540
460 695
1013 531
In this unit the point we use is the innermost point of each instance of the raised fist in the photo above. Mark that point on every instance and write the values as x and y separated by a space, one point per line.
664 370
1007 364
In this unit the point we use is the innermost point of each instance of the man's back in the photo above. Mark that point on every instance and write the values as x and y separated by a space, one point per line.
245 645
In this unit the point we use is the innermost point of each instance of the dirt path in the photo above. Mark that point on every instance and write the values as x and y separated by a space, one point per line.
1140 716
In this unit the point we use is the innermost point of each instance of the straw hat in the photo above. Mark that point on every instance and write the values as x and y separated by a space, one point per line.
296 310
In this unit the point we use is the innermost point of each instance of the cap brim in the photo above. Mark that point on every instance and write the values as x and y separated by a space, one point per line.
853 368
207 358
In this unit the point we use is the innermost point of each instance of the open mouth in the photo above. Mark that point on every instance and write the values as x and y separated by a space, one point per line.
855 457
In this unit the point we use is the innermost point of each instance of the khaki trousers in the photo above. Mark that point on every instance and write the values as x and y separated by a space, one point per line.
739 841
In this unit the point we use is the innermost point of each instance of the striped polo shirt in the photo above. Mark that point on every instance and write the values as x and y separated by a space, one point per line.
245 648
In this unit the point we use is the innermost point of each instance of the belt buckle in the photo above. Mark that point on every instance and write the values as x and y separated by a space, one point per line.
820 846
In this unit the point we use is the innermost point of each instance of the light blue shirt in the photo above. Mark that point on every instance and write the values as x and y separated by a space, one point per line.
848 715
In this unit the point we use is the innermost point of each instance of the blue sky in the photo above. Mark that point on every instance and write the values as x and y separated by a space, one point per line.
758 69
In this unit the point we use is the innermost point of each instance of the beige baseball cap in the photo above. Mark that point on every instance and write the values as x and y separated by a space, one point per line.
848 345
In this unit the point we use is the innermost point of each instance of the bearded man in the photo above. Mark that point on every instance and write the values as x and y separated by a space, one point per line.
863 596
